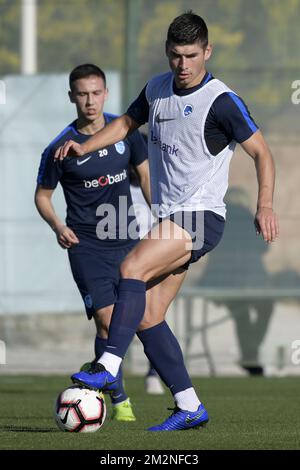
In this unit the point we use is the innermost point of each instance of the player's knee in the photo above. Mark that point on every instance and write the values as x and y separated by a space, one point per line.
130 269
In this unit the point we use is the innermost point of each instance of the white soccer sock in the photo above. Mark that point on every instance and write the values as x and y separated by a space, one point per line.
187 400
110 362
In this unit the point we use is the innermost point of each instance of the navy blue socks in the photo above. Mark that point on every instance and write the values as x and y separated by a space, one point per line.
163 351
128 312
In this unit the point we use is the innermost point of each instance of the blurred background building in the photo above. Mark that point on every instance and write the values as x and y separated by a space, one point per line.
239 312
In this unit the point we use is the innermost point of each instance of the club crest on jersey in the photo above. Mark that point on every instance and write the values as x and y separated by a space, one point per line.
187 110
88 301
120 147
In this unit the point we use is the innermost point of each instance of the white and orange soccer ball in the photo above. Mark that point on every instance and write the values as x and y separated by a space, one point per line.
80 409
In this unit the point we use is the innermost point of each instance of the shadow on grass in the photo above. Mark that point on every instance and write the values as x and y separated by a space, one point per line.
26 429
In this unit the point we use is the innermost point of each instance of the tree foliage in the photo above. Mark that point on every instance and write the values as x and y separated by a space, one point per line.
9 36
78 31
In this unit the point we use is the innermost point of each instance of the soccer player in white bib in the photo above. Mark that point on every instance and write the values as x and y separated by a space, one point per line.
194 121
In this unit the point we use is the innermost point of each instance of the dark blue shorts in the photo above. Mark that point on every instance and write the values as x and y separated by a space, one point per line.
96 272
205 227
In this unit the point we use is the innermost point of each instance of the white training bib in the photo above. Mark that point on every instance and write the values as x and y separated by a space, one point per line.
184 174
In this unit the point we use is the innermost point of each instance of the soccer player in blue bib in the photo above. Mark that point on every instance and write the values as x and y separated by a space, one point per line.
100 178
194 121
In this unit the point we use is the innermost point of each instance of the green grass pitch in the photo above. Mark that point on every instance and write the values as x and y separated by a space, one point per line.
245 413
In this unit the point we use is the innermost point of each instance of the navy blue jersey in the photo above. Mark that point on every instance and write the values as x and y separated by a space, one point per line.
228 118
93 181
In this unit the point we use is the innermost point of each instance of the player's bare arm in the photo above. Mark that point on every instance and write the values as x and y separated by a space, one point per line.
65 236
144 179
115 131
266 221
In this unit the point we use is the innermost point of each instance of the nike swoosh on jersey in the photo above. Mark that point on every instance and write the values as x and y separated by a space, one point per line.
158 119
81 162
189 420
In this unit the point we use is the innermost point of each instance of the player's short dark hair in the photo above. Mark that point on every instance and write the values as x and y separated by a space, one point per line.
188 28
84 71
